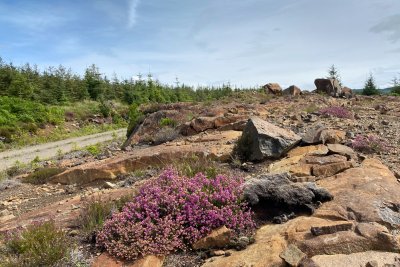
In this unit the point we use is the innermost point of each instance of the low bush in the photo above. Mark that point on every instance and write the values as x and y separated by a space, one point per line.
336 111
42 175
40 244
95 212
168 122
172 212
370 144
94 150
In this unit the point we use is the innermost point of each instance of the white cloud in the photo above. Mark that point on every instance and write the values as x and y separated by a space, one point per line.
132 15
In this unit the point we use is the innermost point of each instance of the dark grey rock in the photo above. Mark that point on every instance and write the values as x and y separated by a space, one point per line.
262 140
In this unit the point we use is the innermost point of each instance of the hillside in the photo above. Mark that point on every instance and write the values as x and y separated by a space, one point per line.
320 188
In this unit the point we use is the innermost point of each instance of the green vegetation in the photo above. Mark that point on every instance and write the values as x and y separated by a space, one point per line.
168 122
95 212
94 149
370 87
333 73
40 244
42 175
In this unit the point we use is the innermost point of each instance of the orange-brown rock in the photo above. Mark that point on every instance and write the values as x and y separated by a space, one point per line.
105 260
308 150
292 90
273 88
218 238
331 169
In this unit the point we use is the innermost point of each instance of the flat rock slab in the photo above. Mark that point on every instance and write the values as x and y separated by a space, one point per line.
357 259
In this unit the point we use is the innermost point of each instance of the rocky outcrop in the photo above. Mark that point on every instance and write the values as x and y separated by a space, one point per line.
367 259
321 134
292 90
328 86
347 92
273 88
276 191
261 140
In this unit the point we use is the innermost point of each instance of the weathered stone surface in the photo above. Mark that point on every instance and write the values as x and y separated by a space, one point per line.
292 255
273 88
331 169
261 140
284 165
292 90
264 252
328 86
356 259
325 160
331 136
271 190
148 261
342 150
331 228
313 135
347 92
201 124
301 170
308 150
218 238
364 194
105 260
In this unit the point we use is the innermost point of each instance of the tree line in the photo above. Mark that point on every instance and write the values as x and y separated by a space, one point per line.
57 85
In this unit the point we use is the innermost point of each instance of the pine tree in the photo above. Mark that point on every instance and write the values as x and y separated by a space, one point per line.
396 86
370 87
333 73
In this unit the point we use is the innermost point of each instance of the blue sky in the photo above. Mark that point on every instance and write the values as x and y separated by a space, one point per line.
208 42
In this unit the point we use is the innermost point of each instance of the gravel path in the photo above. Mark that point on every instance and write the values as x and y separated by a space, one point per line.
49 150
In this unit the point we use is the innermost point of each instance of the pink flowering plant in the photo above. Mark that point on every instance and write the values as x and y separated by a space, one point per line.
172 212
336 111
370 143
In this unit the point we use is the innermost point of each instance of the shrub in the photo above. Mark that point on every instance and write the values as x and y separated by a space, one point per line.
165 122
42 175
40 244
370 144
93 149
335 111
171 212
95 212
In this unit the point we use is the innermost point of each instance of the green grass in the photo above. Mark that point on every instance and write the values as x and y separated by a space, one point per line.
94 149
95 212
40 244
23 122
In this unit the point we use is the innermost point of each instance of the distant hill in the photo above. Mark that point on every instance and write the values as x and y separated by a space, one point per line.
385 91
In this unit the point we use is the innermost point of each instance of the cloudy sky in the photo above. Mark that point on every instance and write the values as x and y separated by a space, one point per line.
208 42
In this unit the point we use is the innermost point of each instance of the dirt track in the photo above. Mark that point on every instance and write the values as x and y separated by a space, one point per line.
49 150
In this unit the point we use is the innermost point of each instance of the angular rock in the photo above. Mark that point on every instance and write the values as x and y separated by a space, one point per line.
342 150
201 124
270 191
301 170
261 140
313 135
218 238
347 92
331 228
308 150
292 90
369 193
325 160
273 88
328 86
331 136
292 255
331 169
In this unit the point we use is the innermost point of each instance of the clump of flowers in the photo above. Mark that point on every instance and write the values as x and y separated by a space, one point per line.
172 212
370 143
337 111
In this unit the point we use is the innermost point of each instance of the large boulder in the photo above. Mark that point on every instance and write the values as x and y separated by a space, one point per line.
292 90
328 86
261 140
347 92
276 192
273 88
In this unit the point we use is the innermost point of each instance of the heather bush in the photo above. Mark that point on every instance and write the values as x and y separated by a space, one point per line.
335 111
172 211
370 143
